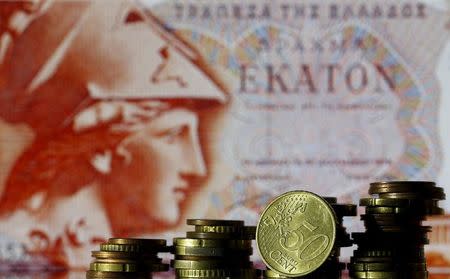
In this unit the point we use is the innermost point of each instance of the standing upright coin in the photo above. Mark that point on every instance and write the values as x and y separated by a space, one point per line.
296 233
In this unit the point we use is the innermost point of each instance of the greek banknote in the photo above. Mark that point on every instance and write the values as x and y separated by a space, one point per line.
126 118
327 96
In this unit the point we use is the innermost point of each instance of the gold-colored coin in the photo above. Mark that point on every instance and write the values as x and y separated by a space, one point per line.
272 274
388 239
237 277
330 200
401 186
128 267
127 248
218 229
410 195
210 235
420 212
414 252
296 233
210 251
388 274
386 266
117 267
209 264
226 277
374 274
237 260
371 259
384 202
138 241
231 243
90 274
392 202
121 255
215 273
342 210
144 261
245 231
413 189
249 232
214 222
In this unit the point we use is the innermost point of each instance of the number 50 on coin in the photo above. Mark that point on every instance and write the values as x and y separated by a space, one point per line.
296 233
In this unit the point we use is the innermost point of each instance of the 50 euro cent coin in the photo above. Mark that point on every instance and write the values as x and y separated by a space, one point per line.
296 233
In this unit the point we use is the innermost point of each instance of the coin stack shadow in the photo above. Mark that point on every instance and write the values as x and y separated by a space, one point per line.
331 268
393 244
133 258
216 249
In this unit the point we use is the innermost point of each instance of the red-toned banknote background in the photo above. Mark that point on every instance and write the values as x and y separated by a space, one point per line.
124 118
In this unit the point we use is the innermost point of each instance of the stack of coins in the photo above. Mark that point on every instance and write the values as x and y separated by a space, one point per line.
343 238
331 268
216 249
393 244
296 237
128 258
328 270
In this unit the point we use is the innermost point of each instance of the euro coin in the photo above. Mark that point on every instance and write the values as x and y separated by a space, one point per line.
393 244
107 247
128 267
387 266
417 189
383 239
117 267
90 274
413 196
227 277
249 232
401 186
370 259
388 274
272 274
214 273
211 251
235 258
115 255
210 235
147 261
393 202
394 210
214 222
329 200
389 220
218 229
415 252
138 241
209 264
342 210
131 248
296 233
231 243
